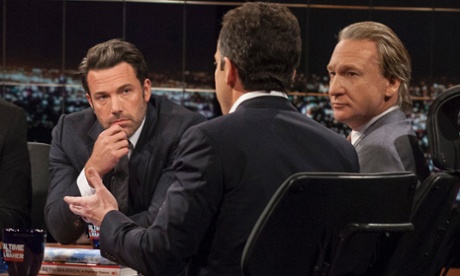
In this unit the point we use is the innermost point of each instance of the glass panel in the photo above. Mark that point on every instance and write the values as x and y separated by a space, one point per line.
447 4
414 29
27 28
200 46
156 29
445 53
33 50
178 41
323 27
89 23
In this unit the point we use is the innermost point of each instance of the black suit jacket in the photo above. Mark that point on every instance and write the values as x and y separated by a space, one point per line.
150 164
15 181
226 172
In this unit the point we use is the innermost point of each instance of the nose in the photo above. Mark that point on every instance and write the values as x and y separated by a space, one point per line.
335 86
116 105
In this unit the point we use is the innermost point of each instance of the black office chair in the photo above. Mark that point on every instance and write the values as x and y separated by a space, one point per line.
443 129
432 244
39 161
329 224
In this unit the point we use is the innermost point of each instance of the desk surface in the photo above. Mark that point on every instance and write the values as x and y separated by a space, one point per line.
88 246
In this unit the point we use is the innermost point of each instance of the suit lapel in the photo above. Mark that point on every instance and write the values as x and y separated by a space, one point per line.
394 115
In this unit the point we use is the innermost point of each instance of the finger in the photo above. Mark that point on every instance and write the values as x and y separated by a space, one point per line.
95 178
113 129
72 200
75 209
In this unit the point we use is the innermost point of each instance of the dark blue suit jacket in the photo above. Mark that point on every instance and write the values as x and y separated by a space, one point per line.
150 164
226 172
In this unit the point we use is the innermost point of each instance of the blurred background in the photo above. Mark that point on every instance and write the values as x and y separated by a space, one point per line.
43 41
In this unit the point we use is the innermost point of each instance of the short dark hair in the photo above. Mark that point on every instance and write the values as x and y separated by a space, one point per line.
109 54
263 41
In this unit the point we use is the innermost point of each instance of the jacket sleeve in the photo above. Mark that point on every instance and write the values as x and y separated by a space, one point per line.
15 178
191 204
63 225
174 129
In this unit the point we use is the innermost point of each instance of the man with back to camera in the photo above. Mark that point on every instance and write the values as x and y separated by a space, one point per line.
229 167
114 75
369 71
15 174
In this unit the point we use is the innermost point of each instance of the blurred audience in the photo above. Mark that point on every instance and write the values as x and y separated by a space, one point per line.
46 94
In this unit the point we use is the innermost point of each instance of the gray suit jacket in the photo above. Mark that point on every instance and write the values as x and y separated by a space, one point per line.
226 171
390 144
150 172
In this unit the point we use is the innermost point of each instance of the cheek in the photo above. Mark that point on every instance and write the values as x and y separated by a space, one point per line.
101 111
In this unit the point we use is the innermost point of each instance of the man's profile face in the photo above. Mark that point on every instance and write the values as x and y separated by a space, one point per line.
117 97
357 89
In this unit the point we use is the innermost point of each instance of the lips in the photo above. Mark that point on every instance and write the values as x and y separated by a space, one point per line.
120 122
338 105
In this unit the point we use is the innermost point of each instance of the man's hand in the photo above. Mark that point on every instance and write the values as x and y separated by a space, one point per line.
93 208
110 146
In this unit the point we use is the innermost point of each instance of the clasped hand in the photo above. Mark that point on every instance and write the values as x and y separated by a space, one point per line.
111 145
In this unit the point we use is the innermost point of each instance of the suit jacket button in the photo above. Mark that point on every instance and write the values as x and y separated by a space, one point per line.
77 223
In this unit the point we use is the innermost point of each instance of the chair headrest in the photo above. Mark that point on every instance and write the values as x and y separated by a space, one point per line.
443 130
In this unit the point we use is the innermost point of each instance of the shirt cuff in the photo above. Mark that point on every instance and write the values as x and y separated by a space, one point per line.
83 185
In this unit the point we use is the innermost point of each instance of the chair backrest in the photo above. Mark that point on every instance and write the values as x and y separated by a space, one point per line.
417 250
435 215
39 161
443 130
298 232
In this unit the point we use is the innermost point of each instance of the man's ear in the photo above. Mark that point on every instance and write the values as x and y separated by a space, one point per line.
231 72
90 101
393 87
147 90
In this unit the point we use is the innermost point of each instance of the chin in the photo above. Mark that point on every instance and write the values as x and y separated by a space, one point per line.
338 116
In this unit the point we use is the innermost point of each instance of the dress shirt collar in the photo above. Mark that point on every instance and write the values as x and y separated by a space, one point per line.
251 95
356 134
135 137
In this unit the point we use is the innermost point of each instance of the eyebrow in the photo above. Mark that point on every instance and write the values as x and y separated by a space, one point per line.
344 67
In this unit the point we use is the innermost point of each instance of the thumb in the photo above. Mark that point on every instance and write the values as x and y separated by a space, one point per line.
95 178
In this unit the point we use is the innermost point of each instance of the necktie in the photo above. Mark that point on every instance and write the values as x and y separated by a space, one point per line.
120 183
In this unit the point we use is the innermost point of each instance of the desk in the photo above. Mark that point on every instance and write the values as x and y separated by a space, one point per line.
53 244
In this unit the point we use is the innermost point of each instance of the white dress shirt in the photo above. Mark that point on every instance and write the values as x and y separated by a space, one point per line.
250 95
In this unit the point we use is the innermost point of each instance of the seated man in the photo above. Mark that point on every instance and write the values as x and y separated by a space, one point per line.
227 168
124 122
369 73
15 183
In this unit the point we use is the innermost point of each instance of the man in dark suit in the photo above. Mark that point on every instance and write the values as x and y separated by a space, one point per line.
15 181
123 112
228 168
369 72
